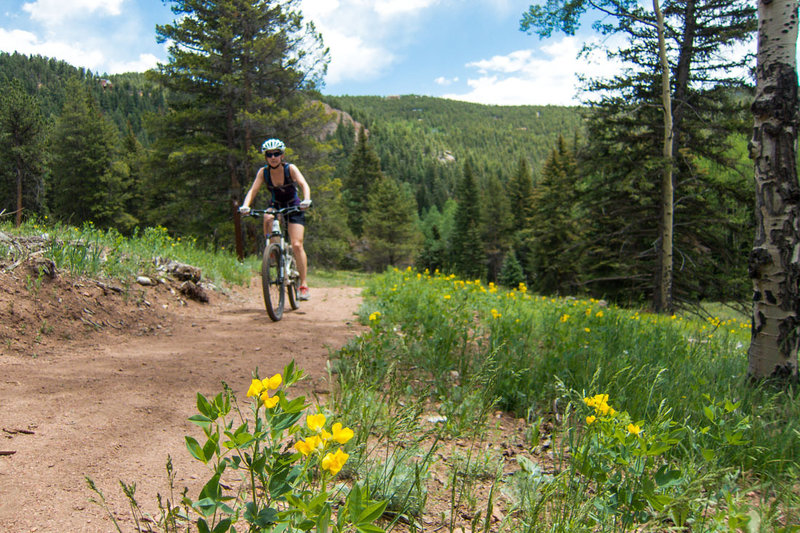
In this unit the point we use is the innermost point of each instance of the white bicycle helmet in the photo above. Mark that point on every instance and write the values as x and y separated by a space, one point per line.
273 144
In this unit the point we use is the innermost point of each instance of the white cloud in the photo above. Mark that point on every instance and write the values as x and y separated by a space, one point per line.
441 80
53 12
27 43
352 58
527 77
363 34
143 63
513 62
19 40
355 41
392 8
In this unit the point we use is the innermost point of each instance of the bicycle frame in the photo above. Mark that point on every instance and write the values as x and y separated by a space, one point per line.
279 275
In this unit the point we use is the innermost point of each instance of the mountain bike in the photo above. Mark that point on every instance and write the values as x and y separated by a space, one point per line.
279 276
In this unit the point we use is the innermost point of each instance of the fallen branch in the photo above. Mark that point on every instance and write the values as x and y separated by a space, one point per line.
15 431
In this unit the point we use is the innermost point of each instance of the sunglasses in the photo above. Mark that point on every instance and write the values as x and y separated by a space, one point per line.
273 154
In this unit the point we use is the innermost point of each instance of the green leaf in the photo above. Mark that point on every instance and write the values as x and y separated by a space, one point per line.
206 506
206 408
658 449
195 449
709 413
222 404
285 420
202 526
211 489
667 478
267 517
210 447
324 519
306 525
371 513
369 528
200 420
223 526
243 439
354 503
708 455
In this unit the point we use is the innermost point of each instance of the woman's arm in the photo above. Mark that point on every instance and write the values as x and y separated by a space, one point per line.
298 178
251 194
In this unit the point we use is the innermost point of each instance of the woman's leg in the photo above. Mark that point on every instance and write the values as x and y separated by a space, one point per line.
296 234
268 218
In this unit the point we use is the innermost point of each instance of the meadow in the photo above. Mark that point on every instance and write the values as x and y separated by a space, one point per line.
652 420
630 421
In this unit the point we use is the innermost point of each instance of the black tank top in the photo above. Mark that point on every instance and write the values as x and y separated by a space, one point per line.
286 194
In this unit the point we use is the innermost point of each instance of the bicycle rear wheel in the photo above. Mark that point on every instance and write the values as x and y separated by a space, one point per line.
272 281
291 282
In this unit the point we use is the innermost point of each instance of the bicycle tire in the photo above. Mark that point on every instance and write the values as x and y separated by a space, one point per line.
272 281
291 283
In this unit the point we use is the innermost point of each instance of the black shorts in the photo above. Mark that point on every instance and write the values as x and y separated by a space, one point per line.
297 217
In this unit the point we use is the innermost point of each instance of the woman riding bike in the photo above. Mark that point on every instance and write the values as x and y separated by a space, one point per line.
283 180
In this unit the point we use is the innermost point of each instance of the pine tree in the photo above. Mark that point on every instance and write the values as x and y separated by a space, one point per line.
437 226
520 194
22 138
497 224
235 76
511 274
88 181
626 145
554 238
391 234
364 172
467 256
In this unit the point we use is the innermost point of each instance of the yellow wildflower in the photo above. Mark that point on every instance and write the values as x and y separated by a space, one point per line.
256 386
633 429
591 419
269 401
340 434
308 446
315 422
273 383
599 314
333 462
564 317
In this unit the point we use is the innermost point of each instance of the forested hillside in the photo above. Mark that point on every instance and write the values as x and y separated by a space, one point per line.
124 98
424 141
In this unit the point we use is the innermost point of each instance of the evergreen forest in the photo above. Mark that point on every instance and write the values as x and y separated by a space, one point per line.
563 199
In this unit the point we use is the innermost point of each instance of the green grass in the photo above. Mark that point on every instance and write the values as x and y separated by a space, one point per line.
337 278
89 251
689 435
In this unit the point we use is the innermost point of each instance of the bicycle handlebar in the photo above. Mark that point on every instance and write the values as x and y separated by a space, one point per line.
275 211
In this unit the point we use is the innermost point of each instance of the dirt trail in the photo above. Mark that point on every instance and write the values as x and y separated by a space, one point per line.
114 404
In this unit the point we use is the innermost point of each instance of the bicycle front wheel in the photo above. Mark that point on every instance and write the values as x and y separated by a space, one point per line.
272 281
292 282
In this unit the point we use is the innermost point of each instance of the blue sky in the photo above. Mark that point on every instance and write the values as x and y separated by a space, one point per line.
462 49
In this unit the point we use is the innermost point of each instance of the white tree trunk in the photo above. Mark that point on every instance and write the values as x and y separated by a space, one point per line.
663 301
774 264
